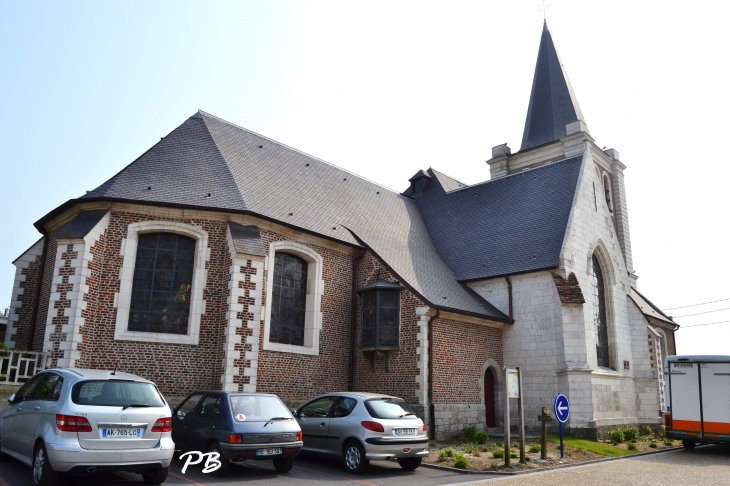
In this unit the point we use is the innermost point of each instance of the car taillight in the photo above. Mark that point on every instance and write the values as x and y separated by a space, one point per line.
300 436
374 426
668 420
424 427
235 438
71 423
163 425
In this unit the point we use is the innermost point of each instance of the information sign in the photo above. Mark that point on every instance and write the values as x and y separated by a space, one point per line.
513 383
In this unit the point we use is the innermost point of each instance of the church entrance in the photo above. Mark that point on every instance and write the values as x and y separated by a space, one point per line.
489 397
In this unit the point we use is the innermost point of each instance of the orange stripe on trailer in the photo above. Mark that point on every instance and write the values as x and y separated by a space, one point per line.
717 428
686 425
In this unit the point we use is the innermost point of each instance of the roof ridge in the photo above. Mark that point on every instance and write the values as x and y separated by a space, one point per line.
296 150
447 175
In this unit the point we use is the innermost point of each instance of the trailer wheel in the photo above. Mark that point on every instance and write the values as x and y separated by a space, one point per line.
688 444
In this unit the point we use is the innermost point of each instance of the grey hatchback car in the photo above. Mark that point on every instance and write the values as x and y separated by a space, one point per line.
360 427
82 421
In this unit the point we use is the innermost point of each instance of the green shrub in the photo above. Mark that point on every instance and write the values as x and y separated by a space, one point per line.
631 434
646 430
498 445
616 436
469 448
668 442
653 445
460 462
484 448
663 432
513 454
481 437
498 453
468 432
446 453
582 450
535 448
633 446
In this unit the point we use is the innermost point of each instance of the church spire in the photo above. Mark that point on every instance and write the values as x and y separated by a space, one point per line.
552 101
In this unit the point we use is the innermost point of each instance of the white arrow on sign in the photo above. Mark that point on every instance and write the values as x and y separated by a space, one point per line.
561 408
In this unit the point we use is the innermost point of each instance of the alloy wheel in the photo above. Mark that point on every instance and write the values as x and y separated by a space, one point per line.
352 457
38 464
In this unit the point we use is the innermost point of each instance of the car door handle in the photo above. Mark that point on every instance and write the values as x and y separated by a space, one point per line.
37 408
212 427
322 425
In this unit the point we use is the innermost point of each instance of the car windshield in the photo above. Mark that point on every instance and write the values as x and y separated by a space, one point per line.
389 408
116 393
257 408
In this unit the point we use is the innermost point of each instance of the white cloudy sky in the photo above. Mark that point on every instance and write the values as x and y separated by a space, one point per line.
383 89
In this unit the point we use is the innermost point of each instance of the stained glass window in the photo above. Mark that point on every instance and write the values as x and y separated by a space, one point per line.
288 300
163 277
599 311
380 319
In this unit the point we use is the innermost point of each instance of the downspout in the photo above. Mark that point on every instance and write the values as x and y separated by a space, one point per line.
431 410
353 314
509 290
36 302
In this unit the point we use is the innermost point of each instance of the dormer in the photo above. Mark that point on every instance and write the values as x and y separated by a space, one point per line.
419 182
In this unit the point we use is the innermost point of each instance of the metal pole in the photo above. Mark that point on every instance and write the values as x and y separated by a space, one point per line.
523 460
506 419
562 450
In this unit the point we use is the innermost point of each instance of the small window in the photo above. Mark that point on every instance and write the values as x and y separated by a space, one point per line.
607 190
188 406
210 409
317 408
27 389
49 387
344 407
289 300
380 318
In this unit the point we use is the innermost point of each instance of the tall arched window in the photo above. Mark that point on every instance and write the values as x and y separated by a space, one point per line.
289 299
163 277
607 191
599 312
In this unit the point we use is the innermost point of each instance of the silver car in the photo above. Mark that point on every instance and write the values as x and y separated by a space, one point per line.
82 421
360 427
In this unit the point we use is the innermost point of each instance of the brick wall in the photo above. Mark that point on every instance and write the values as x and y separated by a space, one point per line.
23 298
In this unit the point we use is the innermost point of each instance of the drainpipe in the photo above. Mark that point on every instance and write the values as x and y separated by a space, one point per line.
353 314
36 302
509 289
431 410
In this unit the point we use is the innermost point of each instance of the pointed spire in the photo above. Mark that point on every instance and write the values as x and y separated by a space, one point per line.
552 101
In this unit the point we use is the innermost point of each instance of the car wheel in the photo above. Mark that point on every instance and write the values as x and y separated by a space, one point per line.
43 474
225 463
284 464
689 444
155 476
354 458
409 463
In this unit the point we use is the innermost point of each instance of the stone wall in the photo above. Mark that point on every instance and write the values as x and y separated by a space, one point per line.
451 418
22 301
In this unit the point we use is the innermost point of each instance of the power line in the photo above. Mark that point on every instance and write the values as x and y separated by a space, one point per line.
695 305
708 324
698 313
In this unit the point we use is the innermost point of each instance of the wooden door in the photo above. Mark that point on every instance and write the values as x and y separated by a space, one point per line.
489 398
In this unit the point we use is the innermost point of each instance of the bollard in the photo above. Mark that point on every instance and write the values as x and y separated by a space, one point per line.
544 418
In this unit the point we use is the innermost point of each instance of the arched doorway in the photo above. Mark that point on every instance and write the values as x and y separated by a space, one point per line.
489 398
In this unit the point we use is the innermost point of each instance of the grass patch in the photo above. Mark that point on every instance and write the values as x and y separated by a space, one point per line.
589 445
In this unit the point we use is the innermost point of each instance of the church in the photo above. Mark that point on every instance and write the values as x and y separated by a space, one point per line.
221 259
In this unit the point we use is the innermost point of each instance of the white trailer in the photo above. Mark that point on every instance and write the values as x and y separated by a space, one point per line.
698 388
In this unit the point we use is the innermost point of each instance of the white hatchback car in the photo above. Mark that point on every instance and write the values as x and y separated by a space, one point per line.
82 421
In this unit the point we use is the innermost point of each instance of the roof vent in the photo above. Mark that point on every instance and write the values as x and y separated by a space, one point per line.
149 188
261 146
306 165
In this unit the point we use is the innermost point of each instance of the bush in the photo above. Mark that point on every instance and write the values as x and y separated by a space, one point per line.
646 430
481 437
663 432
535 448
616 436
469 448
668 442
484 448
631 434
653 445
513 454
446 453
468 432
498 454
460 462
633 446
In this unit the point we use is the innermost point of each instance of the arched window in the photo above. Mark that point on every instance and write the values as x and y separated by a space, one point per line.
600 318
607 190
163 277
289 300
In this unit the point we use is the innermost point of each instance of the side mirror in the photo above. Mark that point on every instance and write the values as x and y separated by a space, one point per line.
295 413
11 398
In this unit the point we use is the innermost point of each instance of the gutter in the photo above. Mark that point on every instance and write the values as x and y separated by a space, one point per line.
353 323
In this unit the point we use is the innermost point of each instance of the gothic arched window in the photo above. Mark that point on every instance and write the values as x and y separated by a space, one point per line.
289 299
163 277
607 191
599 312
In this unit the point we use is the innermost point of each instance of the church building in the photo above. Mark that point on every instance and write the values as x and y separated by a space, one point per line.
221 259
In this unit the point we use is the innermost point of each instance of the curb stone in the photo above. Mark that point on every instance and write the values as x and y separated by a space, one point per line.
540 469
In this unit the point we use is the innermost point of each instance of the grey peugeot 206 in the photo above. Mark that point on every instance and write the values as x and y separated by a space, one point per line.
360 427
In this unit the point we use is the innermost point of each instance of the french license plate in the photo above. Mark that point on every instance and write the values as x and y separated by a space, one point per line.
404 431
121 433
268 452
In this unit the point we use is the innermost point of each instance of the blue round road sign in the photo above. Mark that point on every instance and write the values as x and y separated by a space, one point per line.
562 408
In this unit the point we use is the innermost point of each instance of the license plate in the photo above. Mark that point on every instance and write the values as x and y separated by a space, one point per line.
404 431
268 452
121 433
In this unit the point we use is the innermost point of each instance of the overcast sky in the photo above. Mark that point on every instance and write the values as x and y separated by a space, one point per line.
384 89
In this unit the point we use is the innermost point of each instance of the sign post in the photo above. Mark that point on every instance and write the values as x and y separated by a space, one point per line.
513 385
562 412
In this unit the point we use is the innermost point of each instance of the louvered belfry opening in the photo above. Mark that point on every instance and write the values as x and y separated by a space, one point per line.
600 320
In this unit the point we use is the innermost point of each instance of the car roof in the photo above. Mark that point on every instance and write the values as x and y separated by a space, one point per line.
100 374
705 358
365 395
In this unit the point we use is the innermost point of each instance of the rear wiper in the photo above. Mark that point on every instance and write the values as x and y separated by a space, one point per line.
406 414
136 405
276 418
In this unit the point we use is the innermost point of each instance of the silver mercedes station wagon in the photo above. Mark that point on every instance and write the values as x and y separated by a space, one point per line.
360 427
82 421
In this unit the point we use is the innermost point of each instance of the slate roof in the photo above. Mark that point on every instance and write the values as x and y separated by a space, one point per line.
247 239
552 101
81 224
649 309
514 224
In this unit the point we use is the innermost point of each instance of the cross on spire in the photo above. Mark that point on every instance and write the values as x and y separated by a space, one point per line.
544 7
